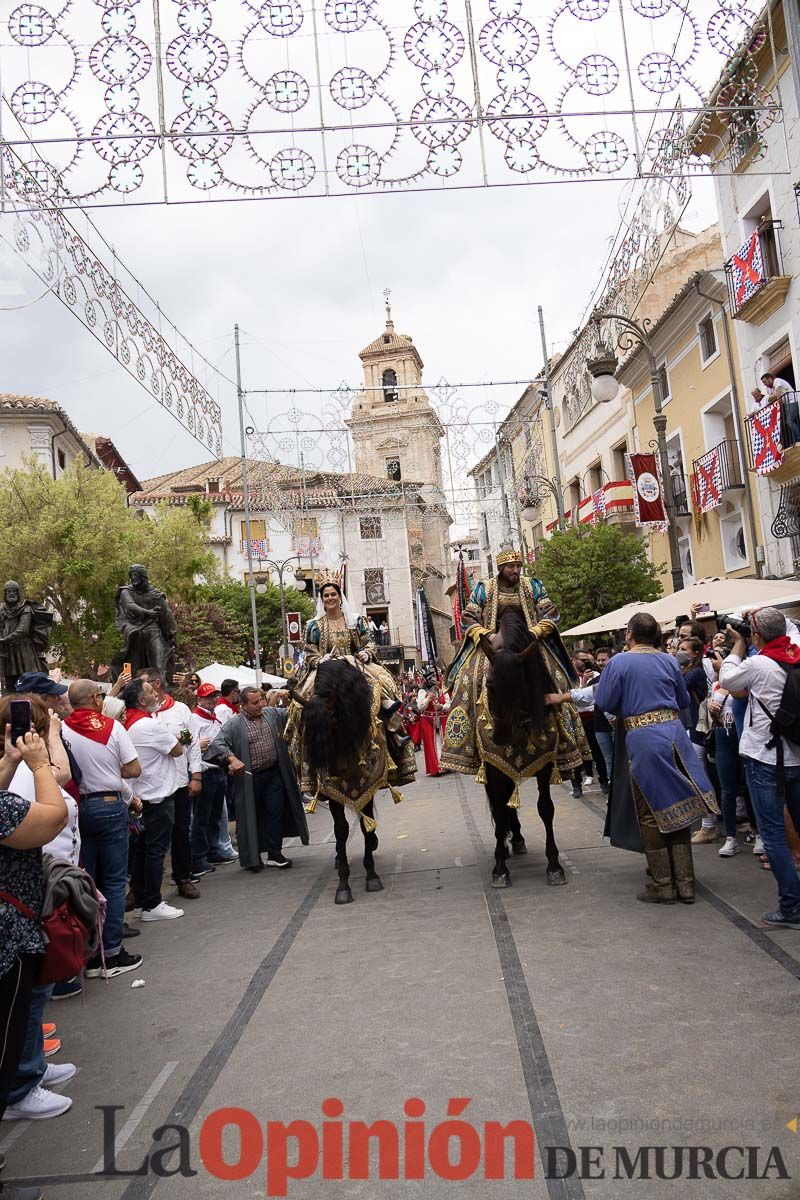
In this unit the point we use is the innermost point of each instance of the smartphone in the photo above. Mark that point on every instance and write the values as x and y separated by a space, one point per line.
19 719
126 669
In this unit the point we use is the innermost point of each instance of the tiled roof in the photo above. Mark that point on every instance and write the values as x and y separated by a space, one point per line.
387 341
9 402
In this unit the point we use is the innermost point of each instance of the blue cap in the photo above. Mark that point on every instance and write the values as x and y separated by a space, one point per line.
40 684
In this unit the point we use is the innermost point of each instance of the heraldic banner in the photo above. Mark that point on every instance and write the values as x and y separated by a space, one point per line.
644 473
765 437
709 481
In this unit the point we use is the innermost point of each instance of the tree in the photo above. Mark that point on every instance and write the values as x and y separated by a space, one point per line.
208 633
70 541
589 571
234 598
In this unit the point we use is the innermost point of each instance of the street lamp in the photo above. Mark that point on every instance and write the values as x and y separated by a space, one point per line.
285 579
533 498
605 388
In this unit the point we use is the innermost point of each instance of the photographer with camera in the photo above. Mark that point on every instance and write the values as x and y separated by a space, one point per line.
772 761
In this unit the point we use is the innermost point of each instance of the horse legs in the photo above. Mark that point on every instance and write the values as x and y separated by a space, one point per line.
518 843
498 792
555 872
341 828
370 846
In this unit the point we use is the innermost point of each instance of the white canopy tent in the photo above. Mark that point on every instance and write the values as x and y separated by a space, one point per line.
245 676
721 595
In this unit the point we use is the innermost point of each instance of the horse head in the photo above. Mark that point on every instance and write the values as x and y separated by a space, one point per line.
337 718
517 680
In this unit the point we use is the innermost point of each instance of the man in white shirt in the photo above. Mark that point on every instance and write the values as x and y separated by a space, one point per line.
763 676
228 703
157 749
210 804
779 389
106 757
176 717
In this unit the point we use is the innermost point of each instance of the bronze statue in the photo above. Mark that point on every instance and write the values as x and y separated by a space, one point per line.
24 634
143 616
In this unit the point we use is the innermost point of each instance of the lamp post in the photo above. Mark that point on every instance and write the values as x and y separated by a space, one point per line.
605 388
279 568
530 509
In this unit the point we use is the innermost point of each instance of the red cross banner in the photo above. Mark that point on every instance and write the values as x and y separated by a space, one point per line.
709 481
765 438
644 473
748 269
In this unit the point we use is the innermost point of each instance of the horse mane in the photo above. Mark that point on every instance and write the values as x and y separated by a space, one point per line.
518 688
338 717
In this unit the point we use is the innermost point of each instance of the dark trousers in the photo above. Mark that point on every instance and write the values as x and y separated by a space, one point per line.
597 755
269 799
150 850
207 812
16 988
181 836
104 823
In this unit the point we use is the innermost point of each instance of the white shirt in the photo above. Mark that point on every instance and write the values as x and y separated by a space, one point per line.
204 727
223 713
779 386
67 843
99 764
178 719
424 701
764 680
159 777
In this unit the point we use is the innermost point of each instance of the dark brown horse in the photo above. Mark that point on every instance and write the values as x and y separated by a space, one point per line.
517 682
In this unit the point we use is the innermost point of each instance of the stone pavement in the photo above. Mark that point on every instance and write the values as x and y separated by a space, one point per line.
601 1021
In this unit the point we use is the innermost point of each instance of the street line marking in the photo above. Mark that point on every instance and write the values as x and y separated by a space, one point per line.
135 1119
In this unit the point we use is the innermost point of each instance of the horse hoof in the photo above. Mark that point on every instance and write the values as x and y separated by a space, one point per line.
343 896
556 876
501 881
519 846
374 884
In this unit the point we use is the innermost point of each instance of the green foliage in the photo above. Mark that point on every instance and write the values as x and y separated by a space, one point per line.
70 541
590 571
234 598
208 633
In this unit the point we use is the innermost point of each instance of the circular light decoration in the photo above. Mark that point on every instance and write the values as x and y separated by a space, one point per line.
204 174
116 141
31 25
352 88
286 91
194 18
588 10
282 19
518 118
659 72
606 151
438 83
434 45
118 21
197 58
521 157
292 169
121 98
728 28
509 41
504 9
206 134
440 122
597 74
445 161
358 166
346 16
113 60
33 102
513 78
199 95
652 9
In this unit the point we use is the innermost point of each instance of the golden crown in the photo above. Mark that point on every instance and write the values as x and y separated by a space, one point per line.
508 554
328 576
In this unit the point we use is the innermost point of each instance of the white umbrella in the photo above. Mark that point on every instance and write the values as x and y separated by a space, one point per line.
244 676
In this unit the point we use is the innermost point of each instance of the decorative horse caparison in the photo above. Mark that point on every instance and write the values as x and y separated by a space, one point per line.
338 739
516 682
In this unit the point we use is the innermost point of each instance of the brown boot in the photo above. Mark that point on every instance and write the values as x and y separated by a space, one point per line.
660 891
680 852
188 890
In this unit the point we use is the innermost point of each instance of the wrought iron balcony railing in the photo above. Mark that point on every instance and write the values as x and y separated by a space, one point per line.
721 466
779 420
681 494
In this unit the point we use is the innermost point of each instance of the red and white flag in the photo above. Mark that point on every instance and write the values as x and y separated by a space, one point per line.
649 508
765 438
709 481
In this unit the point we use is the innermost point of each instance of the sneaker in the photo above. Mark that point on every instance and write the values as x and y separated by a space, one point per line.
128 931
225 861
604 788
67 989
118 964
278 860
704 836
162 912
38 1105
730 848
781 921
48 1029
188 890
57 1074
576 792
758 845
51 1046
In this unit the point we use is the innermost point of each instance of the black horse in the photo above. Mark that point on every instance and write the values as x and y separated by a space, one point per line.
337 724
517 682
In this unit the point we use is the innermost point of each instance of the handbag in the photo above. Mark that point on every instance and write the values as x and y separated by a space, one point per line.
66 938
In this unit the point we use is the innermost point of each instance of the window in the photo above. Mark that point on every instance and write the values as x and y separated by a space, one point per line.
389 385
258 533
393 469
305 527
595 476
734 545
663 380
374 585
212 485
708 338
618 461
685 554
371 529
62 460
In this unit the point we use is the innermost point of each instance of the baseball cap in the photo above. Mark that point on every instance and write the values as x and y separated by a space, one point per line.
207 689
40 684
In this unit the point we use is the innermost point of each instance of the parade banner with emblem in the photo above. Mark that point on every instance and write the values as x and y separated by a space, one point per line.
709 481
765 438
644 473
294 628
460 595
427 637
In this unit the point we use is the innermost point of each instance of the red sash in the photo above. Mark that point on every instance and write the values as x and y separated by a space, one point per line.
90 724
136 714
233 707
781 650
166 703
205 714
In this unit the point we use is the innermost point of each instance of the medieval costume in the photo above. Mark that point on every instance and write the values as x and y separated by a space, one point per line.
653 804
433 705
24 634
251 823
467 740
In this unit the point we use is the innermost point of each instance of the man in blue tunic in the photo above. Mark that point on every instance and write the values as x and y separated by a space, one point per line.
665 789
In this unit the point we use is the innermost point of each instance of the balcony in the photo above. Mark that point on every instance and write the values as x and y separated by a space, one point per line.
757 285
764 458
681 493
717 471
618 500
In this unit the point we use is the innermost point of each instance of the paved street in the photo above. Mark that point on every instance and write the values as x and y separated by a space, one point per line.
603 1021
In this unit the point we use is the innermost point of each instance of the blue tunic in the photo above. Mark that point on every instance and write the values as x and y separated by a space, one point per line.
664 769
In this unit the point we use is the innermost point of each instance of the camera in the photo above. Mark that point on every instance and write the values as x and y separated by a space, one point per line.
737 622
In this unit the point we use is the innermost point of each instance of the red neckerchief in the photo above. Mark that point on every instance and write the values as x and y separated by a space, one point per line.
233 707
90 724
166 703
205 714
135 714
782 650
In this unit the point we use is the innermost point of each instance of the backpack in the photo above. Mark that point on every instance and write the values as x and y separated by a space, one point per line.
785 721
